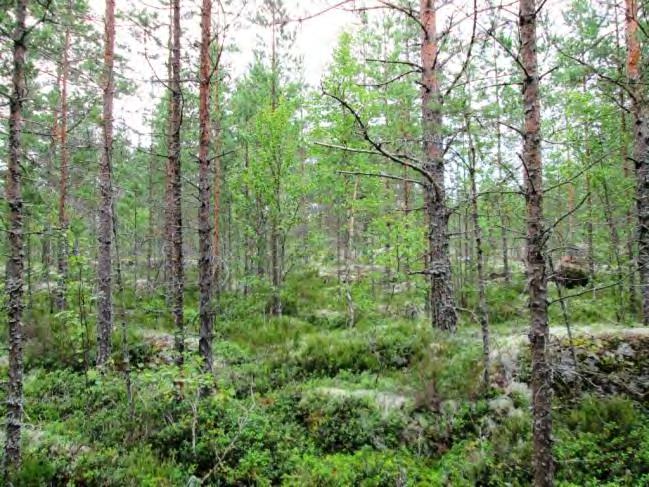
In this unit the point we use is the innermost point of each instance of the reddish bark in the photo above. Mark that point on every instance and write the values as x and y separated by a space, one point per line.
543 462
441 299
640 150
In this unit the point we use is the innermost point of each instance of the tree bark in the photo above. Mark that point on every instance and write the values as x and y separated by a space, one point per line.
499 162
483 310
104 267
15 261
216 245
205 272
62 254
543 462
640 150
174 184
442 302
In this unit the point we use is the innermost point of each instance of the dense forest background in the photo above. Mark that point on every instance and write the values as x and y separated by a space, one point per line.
427 266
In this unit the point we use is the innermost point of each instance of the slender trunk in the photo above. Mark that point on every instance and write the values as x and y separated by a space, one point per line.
174 200
590 238
151 223
483 310
46 253
633 294
275 271
627 169
442 302
216 245
248 240
105 231
205 272
615 250
275 246
590 245
349 254
126 360
640 150
62 256
14 264
543 462
499 162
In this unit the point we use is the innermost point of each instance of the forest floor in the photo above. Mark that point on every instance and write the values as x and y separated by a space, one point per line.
306 399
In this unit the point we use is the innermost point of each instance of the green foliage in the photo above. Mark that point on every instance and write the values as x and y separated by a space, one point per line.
365 467
604 441
347 423
376 350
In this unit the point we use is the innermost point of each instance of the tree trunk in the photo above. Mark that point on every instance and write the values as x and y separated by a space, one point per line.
104 267
483 310
216 245
442 302
62 255
543 462
499 162
627 169
151 223
174 184
640 150
14 265
204 212
615 251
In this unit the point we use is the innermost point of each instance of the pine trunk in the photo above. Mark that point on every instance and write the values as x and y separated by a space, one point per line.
105 231
205 272
640 151
543 462
14 265
62 255
441 299
174 184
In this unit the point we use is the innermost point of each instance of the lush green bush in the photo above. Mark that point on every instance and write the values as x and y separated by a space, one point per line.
347 423
377 350
231 442
366 467
604 440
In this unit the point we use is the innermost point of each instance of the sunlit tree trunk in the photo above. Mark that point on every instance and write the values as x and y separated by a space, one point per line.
543 462
442 302
105 231
14 264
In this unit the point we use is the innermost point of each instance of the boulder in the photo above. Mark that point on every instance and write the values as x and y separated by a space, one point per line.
572 271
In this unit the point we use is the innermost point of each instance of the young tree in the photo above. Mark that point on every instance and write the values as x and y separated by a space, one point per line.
15 264
543 463
105 231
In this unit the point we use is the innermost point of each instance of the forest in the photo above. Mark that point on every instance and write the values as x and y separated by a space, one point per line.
324 243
